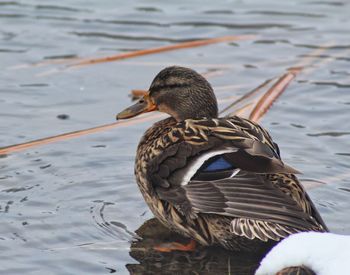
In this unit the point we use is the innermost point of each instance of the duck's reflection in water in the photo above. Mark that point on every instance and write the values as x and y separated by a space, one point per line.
204 260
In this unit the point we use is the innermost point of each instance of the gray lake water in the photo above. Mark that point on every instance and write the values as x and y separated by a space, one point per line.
73 207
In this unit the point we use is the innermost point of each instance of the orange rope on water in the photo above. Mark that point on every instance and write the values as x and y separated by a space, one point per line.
65 136
270 96
190 44
79 62
279 87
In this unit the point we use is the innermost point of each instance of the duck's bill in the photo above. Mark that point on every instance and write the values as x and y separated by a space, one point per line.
144 105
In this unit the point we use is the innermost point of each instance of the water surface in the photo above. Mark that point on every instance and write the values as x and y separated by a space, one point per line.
73 207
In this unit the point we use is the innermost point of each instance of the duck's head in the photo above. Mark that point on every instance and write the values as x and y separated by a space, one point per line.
179 92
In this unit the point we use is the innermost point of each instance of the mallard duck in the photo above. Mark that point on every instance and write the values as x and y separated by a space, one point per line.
219 181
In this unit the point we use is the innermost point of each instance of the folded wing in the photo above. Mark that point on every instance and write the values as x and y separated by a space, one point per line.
220 167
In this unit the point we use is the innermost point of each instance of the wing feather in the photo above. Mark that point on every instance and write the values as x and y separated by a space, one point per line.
258 209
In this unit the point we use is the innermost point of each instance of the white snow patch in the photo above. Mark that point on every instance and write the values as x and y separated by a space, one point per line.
324 253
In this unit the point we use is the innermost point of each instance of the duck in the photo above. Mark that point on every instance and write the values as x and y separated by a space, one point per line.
220 181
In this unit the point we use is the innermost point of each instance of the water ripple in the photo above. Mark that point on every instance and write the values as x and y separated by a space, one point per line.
343 154
255 26
218 12
330 134
115 229
194 24
331 83
128 22
11 3
128 37
59 8
325 56
298 14
57 18
335 47
328 3
12 15
148 9
12 51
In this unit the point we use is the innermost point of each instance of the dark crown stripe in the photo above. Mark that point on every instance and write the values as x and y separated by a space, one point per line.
168 87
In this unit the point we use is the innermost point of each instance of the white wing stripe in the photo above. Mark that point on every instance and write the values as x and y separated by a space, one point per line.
198 162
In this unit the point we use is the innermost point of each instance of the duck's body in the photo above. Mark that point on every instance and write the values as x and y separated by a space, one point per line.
211 206
217 180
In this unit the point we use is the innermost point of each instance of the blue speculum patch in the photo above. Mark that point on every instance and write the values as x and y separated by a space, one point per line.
217 165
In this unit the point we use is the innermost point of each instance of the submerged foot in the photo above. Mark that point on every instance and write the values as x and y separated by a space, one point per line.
174 246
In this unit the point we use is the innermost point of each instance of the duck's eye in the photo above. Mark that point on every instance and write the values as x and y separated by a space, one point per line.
141 100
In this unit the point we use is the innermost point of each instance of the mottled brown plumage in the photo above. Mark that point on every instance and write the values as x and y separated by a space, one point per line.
217 180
